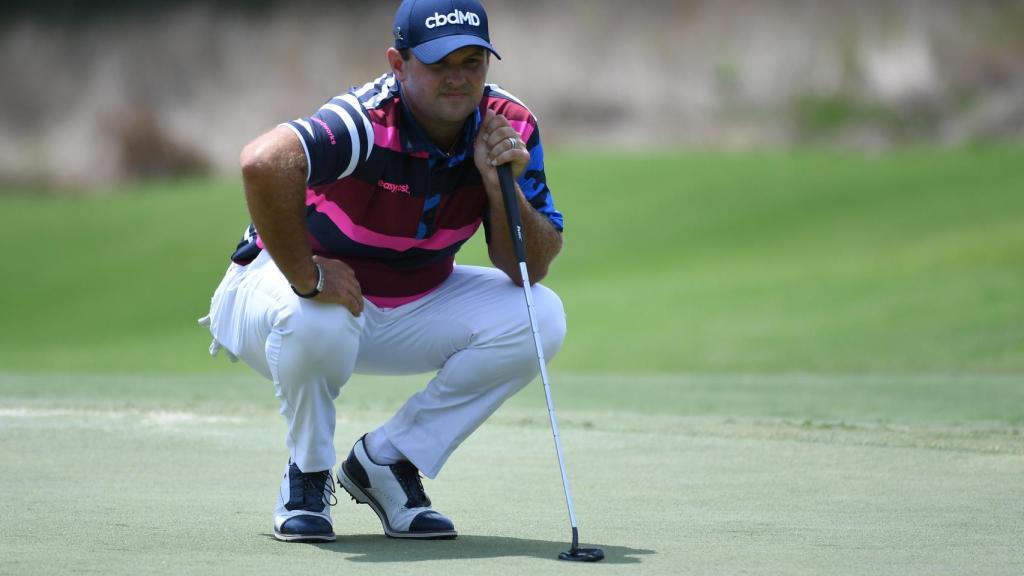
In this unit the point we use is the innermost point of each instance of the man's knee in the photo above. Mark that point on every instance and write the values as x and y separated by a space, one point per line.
322 337
522 362
550 316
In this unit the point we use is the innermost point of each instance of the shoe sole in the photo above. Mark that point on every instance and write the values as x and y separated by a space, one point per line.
361 497
304 537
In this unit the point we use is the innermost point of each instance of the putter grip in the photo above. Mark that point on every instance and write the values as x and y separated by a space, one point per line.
515 223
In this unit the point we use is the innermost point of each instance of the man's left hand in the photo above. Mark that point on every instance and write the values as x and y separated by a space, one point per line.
498 143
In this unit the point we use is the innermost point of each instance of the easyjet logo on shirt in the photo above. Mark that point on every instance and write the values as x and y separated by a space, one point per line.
391 187
456 17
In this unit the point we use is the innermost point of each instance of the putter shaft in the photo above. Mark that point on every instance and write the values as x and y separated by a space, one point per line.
508 192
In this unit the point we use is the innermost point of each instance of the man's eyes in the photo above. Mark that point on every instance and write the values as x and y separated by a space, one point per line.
441 66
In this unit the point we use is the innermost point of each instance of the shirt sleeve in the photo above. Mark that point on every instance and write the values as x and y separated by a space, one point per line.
534 182
336 139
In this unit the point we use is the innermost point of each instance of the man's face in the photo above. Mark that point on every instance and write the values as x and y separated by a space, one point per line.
448 91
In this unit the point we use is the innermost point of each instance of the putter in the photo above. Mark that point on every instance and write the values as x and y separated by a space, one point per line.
515 226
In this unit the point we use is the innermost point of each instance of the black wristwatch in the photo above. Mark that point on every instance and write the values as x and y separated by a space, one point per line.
319 284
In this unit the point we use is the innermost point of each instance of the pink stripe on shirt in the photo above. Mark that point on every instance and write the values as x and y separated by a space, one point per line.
524 128
441 239
389 137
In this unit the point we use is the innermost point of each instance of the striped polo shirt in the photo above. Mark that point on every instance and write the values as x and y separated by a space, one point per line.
386 201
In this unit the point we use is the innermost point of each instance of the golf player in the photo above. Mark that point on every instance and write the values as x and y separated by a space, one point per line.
349 267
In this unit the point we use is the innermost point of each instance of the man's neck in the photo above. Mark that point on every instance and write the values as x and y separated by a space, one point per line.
443 135
444 138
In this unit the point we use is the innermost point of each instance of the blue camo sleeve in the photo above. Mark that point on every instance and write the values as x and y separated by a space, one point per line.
534 184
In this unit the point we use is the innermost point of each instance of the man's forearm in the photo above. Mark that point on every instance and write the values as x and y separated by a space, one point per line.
543 242
273 175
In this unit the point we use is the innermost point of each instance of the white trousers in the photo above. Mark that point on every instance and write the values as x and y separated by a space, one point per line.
473 332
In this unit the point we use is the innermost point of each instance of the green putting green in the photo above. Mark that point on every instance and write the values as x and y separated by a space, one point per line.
700 475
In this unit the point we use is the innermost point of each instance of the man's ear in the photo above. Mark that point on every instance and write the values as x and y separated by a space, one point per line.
396 63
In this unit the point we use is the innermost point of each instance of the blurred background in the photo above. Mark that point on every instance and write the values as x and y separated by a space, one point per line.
749 186
97 93
793 274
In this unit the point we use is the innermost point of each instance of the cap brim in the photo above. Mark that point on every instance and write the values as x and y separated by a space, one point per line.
435 50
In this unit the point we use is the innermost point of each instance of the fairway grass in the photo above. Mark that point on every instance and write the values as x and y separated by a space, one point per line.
702 475
805 262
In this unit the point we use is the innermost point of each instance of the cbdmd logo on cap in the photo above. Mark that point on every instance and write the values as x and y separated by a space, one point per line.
456 17
433 29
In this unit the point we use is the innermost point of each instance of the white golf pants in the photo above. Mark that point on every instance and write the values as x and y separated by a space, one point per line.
473 332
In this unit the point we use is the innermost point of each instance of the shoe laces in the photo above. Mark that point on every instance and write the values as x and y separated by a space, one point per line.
322 483
409 479
315 487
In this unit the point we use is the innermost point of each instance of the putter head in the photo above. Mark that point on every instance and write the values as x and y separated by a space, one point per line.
582 555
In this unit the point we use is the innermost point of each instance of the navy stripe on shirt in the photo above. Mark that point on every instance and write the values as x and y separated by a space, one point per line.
337 138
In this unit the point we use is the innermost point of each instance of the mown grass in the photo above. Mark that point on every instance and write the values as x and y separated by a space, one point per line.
802 363
695 262
174 474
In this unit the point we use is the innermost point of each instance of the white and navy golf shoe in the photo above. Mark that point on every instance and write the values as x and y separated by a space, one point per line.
396 494
303 511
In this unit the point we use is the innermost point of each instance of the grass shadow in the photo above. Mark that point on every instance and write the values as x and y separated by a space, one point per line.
381 549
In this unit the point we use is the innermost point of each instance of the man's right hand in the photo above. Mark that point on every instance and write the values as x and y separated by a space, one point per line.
340 285
274 175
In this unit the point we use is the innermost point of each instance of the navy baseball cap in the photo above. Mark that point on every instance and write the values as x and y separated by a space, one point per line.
434 29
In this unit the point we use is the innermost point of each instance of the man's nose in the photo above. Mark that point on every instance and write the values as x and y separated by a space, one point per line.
455 78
